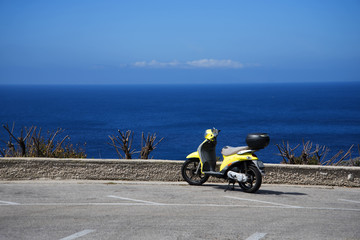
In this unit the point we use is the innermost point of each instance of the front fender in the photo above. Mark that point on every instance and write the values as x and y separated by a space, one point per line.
193 155
260 165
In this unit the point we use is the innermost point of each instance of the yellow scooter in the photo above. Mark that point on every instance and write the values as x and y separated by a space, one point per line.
239 164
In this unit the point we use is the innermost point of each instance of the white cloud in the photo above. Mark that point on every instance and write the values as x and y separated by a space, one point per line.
156 64
214 63
202 63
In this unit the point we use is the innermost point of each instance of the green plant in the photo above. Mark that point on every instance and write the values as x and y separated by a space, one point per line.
316 156
35 144
123 141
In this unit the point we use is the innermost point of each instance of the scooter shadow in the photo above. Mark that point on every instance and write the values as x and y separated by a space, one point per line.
229 188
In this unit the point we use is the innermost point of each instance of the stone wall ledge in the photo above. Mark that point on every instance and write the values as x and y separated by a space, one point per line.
163 170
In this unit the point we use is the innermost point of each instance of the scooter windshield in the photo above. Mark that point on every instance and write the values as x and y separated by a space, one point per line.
215 132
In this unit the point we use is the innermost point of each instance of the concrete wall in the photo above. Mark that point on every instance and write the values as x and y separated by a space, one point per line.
163 170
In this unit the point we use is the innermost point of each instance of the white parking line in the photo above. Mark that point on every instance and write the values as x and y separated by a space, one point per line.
256 236
352 201
180 205
9 203
253 200
135 200
78 234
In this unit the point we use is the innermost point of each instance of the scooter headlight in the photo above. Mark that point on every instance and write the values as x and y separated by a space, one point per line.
209 134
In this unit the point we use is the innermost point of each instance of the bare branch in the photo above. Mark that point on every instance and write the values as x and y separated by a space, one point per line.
28 132
148 145
345 155
50 144
2 153
10 132
113 139
60 143
329 162
286 152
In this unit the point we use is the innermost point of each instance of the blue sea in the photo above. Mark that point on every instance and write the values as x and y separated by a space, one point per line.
325 113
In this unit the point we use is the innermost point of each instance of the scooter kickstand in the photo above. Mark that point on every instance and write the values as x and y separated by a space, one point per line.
228 186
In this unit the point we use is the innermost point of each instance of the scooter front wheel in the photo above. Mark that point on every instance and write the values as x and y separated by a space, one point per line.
191 172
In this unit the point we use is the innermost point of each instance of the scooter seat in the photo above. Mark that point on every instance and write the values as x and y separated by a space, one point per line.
227 151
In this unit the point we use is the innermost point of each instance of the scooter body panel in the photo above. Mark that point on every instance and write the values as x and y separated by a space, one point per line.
228 160
193 155
235 158
196 155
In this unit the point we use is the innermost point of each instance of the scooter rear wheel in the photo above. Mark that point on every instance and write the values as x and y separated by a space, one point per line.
254 180
191 172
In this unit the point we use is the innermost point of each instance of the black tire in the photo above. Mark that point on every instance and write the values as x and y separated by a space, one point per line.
254 180
188 170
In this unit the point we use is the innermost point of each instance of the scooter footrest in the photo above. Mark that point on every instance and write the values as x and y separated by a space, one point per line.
215 174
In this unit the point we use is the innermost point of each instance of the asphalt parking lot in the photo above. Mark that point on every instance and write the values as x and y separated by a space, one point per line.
153 210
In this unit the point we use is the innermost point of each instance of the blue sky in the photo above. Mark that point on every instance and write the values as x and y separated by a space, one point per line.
142 42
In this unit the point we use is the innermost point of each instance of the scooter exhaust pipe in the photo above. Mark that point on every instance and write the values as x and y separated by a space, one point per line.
240 177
